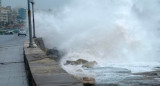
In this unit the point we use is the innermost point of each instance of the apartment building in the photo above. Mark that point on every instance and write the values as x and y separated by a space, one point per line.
4 16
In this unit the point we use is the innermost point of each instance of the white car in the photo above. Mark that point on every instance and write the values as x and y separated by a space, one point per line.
9 32
21 32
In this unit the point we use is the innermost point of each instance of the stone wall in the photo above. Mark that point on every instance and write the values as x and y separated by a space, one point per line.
43 71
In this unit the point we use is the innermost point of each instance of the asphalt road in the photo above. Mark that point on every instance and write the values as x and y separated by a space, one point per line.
12 70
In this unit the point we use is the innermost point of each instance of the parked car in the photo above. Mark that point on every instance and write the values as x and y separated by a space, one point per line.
15 30
2 32
21 32
9 32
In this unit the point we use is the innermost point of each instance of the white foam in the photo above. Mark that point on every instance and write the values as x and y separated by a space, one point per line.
110 32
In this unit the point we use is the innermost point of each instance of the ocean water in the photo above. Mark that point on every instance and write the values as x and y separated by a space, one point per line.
120 35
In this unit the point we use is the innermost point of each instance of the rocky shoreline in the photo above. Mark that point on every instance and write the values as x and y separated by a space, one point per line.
151 78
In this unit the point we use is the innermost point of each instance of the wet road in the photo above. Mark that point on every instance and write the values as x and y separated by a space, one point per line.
12 71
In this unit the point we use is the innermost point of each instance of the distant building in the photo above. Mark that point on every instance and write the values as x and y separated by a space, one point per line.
21 15
14 16
4 16
0 4
9 14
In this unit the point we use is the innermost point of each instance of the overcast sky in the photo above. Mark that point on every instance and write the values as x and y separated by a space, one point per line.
40 4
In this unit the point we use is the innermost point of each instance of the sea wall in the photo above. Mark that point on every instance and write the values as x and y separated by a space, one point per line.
43 71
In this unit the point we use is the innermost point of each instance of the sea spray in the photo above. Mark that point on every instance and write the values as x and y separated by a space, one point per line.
110 32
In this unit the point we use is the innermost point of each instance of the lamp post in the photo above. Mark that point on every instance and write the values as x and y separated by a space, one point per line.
34 35
30 28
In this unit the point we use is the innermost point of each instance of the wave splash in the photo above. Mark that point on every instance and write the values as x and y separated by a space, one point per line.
105 31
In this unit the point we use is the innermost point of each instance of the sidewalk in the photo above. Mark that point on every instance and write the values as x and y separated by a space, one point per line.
12 70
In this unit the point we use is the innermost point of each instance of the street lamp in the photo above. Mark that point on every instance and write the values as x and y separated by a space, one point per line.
32 2
30 28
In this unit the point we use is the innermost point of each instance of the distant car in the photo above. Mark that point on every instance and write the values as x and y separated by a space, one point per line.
9 32
21 32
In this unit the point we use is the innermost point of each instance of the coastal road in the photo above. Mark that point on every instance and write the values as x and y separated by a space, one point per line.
12 70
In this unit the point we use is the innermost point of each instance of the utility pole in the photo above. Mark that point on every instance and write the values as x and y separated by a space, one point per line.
34 34
30 27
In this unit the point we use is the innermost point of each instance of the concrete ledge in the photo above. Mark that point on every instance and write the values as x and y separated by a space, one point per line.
43 71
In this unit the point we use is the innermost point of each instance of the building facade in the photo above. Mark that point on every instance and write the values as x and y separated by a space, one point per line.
0 3
14 16
4 16
21 14
9 14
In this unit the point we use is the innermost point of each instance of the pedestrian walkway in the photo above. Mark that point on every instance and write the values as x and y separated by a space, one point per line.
12 70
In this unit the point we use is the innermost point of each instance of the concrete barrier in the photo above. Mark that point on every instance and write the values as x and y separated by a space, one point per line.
43 71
